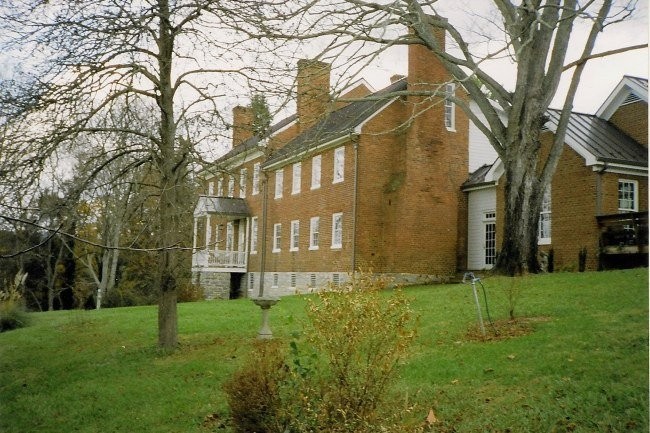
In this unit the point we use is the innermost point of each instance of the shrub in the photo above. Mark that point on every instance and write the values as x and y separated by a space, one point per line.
13 313
337 378
253 392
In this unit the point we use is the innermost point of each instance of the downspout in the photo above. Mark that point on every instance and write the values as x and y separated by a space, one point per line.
355 145
263 232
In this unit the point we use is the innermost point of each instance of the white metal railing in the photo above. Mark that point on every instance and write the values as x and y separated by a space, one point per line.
219 259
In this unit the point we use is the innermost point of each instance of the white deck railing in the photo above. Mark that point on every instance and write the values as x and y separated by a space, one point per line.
219 259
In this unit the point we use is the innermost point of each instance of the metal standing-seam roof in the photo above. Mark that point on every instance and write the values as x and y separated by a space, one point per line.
601 139
338 123
227 206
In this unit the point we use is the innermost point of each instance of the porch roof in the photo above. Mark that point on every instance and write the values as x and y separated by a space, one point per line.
226 206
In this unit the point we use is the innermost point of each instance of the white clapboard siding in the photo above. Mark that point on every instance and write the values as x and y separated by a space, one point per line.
480 150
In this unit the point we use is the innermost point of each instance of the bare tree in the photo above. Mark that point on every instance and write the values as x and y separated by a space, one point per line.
534 34
82 58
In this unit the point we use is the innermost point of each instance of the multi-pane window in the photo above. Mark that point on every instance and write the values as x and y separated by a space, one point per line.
256 178
230 236
545 218
339 164
450 109
220 187
314 223
242 182
490 251
627 196
295 180
211 188
277 236
254 235
231 186
315 172
279 178
337 230
295 235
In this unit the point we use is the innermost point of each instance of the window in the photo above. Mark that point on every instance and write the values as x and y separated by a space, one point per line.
339 164
450 109
220 187
489 219
242 182
279 175
256 178
337 230
211 188
230 236
293 280
251 281
295 230
254 235
336 279
218 236
231 186
628 200
314 222
312 280
275 280
295 183
315 172
277 235
545 219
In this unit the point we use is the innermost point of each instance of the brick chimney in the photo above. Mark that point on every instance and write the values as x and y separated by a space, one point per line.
242 124
313 91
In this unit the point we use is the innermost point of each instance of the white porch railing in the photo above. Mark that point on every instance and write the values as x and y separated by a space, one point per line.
219 259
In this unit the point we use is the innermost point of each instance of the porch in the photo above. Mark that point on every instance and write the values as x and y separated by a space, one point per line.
623 240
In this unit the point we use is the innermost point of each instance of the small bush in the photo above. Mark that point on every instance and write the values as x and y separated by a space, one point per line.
582 259
253 392
13 313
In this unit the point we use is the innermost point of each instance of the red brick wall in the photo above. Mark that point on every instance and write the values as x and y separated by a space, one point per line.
633 120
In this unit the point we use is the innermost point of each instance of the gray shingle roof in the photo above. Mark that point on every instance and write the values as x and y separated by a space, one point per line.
601 139
227 206
477 177
337 124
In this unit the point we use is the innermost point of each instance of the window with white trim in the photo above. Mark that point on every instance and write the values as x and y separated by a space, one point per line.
242 182
254 235
230 236
256 178
628 197
544 232
337 230
276 277
490 248
277 237
292 280
279 178
295 235
339 164
315 172
211 188
450 107
231 186
314 224
220 187
296 177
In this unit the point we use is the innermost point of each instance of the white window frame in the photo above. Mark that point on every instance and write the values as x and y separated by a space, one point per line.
315 171
230 236
220 187
277 237
544 227
295 236
450 107
337 232
211 188
243 174
489 252
256 178
231 186
254 235
339 165
314 229
635 195
276 279
296 171
279 183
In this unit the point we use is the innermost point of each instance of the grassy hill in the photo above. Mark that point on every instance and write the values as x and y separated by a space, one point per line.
577 361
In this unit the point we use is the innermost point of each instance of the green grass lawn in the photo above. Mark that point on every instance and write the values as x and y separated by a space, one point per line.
583 367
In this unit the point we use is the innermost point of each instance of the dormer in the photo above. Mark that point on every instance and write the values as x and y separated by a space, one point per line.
627 108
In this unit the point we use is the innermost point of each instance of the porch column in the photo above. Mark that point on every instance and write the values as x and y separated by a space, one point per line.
208 232
195 234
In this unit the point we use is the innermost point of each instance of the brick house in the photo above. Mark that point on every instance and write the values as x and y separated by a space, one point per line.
597 206
373 182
